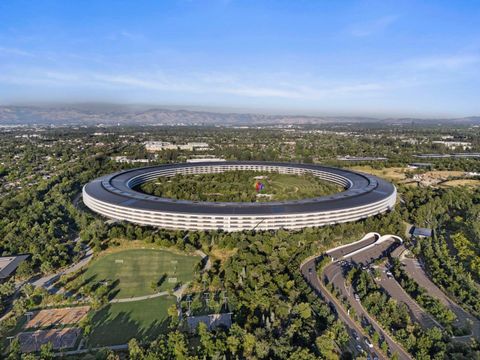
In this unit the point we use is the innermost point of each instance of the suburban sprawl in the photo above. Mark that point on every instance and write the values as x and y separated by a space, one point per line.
279 240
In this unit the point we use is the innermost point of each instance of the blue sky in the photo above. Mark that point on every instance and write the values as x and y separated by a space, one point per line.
399 58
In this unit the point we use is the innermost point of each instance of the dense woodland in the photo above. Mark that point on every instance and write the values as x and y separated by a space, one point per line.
421 343
276 314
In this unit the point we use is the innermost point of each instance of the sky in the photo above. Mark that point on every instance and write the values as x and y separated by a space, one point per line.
388 58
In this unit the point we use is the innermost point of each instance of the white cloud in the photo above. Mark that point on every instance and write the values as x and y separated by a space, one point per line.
372 27
444 62
125 34
261 86
16 52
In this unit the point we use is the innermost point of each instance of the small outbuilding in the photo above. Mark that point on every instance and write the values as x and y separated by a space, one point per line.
421 232
9 264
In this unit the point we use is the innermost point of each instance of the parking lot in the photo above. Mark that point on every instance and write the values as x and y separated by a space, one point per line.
335 273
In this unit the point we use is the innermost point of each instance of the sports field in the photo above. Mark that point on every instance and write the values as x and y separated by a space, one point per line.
118 323
59 338
57 317
132 272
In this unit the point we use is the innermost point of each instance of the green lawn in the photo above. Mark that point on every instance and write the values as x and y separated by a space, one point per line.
132 272
118 323
239 186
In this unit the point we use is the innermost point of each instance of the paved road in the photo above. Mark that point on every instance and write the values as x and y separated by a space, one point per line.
414 269
370 255
314 281
395 290
334 273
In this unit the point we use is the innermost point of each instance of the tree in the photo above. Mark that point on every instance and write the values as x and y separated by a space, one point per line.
172 312
207 340
135 352
14 352
326 347
46 351
178 345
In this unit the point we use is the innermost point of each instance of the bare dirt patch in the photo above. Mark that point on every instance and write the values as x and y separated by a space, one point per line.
391 173
57 317
462 182
222 254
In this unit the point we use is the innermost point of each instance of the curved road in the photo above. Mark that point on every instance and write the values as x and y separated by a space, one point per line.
464 319
334 273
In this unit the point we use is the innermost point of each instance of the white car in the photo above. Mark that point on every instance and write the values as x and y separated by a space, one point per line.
368 343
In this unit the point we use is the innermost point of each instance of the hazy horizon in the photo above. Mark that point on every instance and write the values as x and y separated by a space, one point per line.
381 59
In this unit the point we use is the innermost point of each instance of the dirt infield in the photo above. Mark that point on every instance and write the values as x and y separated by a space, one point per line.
57 317
60 339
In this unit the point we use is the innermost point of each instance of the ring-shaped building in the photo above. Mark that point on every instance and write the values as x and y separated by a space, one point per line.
114 196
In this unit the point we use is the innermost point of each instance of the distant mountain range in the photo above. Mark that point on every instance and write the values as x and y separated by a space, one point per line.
123 115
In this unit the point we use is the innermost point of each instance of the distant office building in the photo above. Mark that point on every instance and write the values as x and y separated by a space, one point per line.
163 145
159 145
420 165
361 158
454 144
126 160
208 159
441 156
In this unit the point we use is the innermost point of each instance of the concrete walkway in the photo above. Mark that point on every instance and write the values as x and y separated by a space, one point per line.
139 298
208 263
177 293
85 351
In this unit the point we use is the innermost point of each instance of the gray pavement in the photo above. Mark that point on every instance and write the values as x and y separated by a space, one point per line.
370 255
314 281
335 273
395 290
414 269
344 250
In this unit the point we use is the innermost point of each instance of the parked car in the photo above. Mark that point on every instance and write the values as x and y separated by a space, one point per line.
368 343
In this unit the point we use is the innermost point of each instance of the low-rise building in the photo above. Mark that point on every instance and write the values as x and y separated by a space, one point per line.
454 144
9 264
207 159
163 145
